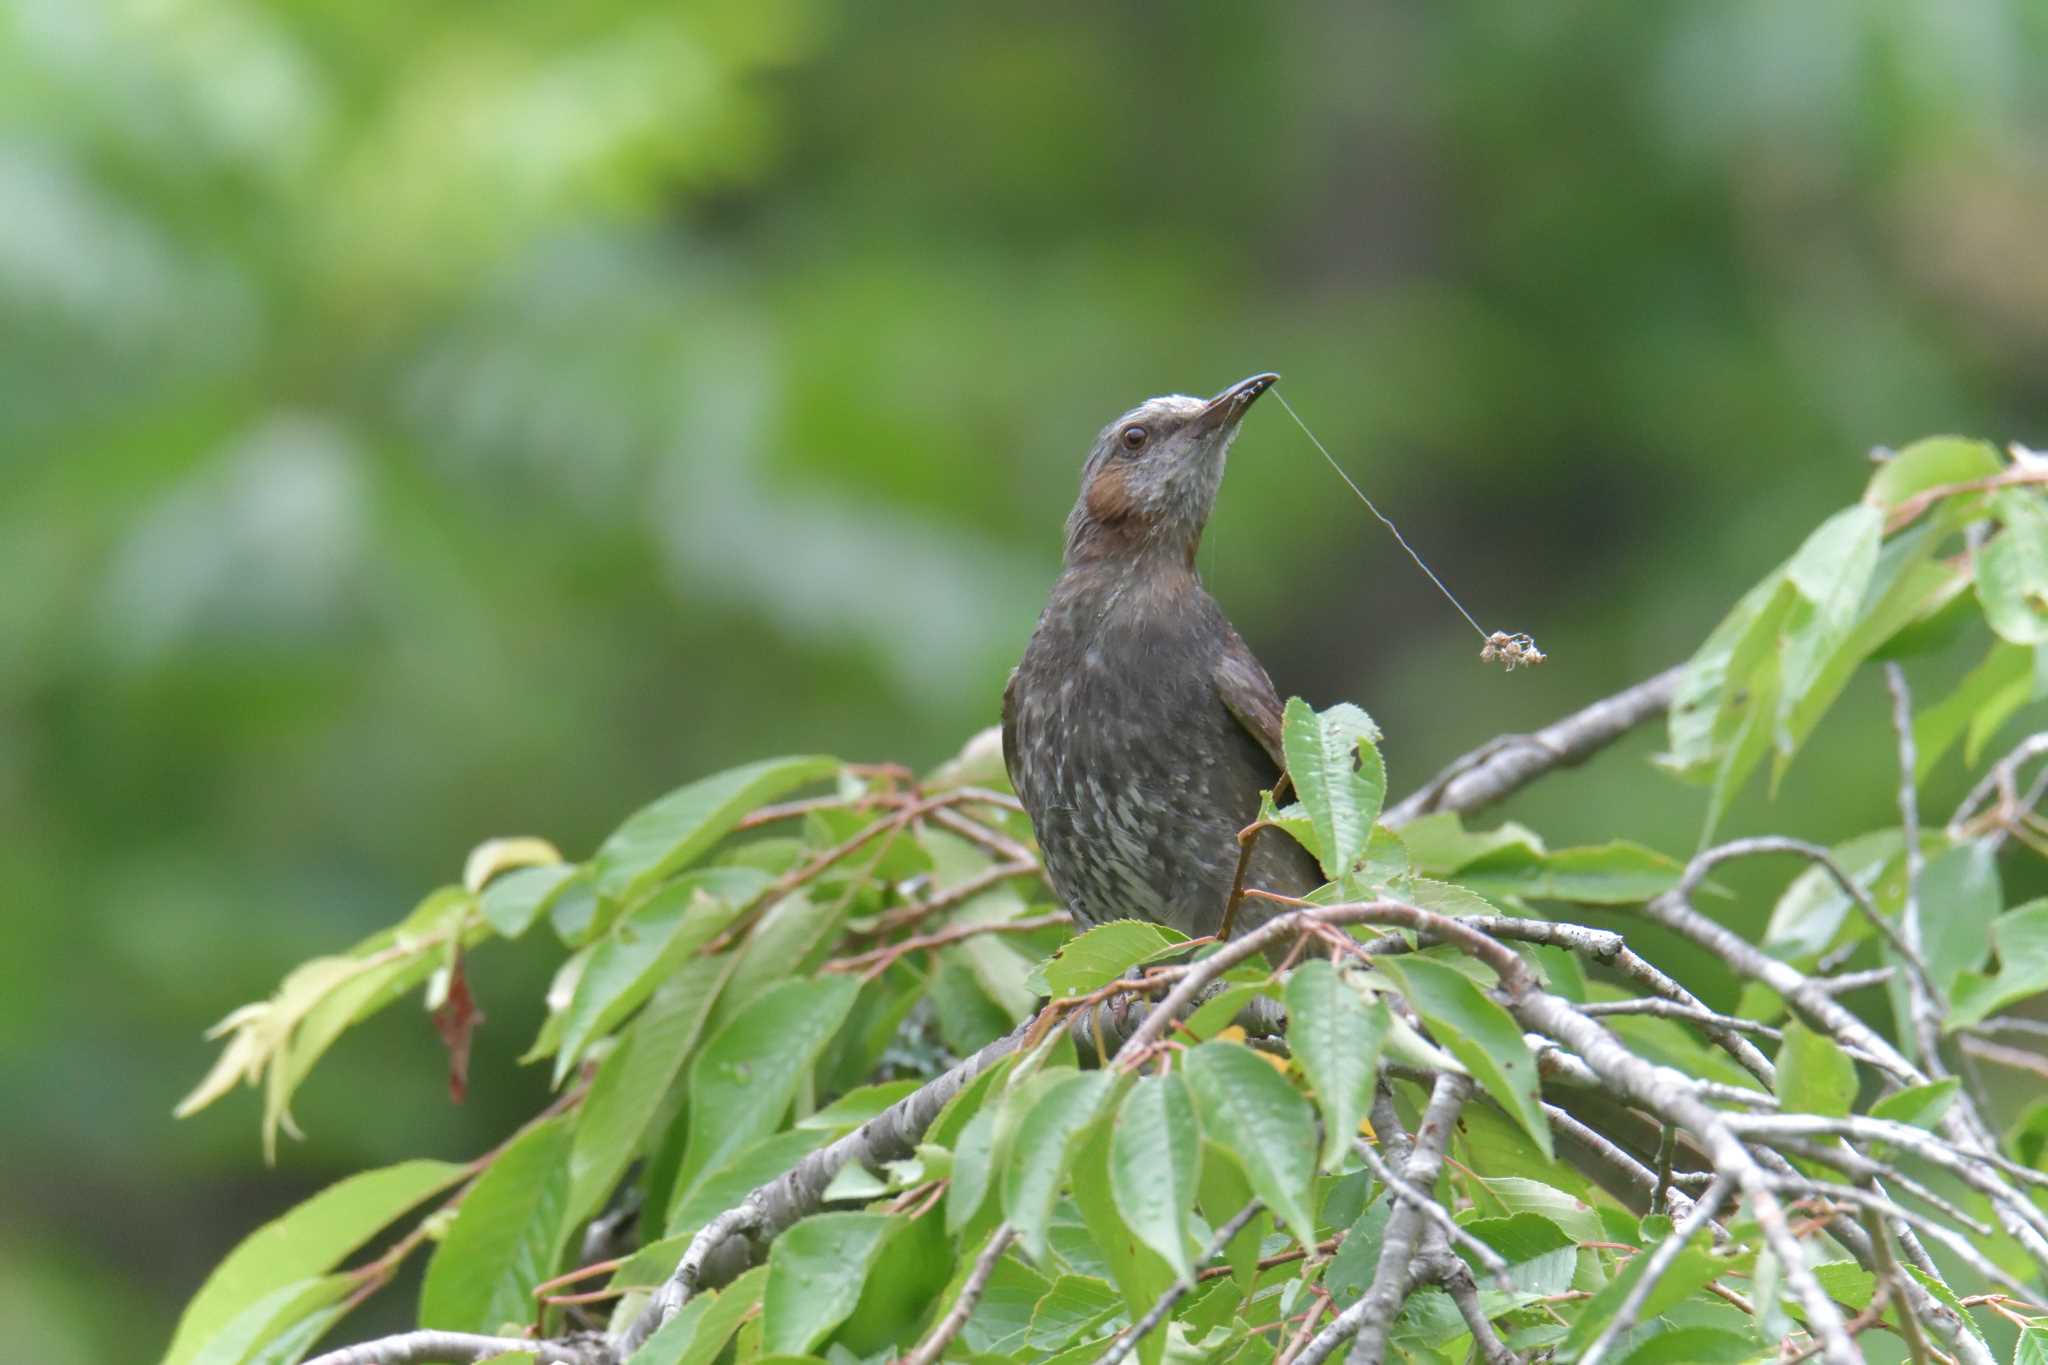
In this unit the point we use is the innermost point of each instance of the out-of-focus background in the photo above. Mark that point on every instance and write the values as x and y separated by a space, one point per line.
426 422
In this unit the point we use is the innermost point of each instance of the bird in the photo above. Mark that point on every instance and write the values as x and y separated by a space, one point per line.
1139 729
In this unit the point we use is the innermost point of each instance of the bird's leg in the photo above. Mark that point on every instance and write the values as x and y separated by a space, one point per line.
1247 837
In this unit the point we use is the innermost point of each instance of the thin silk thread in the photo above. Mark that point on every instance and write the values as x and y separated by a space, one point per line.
1350 483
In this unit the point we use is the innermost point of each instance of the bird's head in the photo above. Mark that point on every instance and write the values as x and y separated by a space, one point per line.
1152 476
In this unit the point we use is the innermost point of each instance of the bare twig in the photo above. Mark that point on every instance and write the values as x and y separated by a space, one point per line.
1661 1258
461 1348
1925 1005
877 960
1372 1316
1499 770
1156 1314
934 1345
1402 1190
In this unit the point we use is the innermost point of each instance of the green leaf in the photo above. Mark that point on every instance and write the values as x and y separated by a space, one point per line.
1920 1105
297 1311
1693 1345
1100 956
635 1079
1830 572
1930 463
857 1106
1335 762
2005 669
1814 1075
513 901
644 947
1439 844
2012 570
816 1270
1481 1035
1074 1304
1615 873
705 1343
2020 938
1358 1255
308 1241
1154 1165
1687 1274
1042 1149
1706 702
742 1082
1809 916
974 1168
720 1188
1901 588
1136 1270
679 828
1959 901
2032 1347
505 1238
1001 1320
1541 1256
1336 1035
1248 1109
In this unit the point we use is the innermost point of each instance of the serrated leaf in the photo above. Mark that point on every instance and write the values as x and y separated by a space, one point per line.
1686 1275
1248 1109
1831 571
1811 912
1334 760
1814 1075
1100 956
294 1313
1042 1150
635 1079
705 1343
1929 463
305 1242
1920 1105
666 836
1074 1304
2012 570
1614 873
1336 1035
2006 669
1481 1035
1693 1345
743 1080
1439 845
1155 1164
644 947
1716 676
816 1271
513 901
2020 938
1138 1272
505 1237
1960 898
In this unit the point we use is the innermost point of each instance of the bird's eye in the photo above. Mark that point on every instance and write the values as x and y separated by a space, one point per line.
1134 437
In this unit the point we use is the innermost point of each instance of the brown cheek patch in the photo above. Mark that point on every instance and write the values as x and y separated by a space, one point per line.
1109 498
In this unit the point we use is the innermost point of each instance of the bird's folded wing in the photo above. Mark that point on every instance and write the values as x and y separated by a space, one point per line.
1249 695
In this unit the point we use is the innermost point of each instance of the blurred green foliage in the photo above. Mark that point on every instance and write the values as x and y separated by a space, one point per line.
420 423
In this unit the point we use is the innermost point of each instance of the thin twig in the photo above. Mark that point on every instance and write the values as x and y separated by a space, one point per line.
1497 771
934 1345
1128 1341
1660 1260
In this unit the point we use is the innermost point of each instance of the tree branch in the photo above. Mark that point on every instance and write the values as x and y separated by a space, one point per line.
1498 770
934 1346
462 1348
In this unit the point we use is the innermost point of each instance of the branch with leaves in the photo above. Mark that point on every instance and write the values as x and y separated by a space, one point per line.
827 1054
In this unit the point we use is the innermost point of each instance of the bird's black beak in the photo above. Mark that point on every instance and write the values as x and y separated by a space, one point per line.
1226 407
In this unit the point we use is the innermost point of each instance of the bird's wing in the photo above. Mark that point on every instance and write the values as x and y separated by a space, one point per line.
1010 728
1249 695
